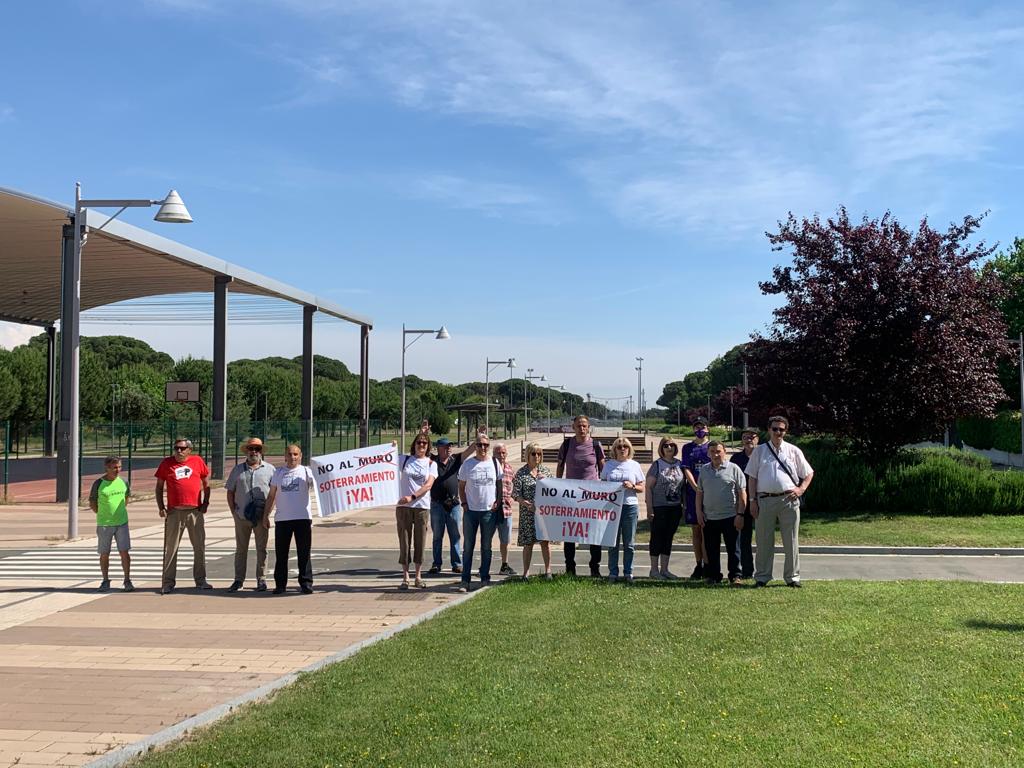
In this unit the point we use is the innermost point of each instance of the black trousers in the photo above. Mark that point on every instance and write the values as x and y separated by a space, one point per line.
570 556
745 546
303 532
714 532
663 528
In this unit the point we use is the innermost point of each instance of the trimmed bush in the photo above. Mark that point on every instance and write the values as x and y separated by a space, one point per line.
932 481
1001 433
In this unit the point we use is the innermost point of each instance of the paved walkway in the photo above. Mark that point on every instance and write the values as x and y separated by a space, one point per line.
82 673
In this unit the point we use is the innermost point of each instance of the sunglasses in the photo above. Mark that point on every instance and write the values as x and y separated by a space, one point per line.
778 429
482 445
670 448
536 453
181 447
254 450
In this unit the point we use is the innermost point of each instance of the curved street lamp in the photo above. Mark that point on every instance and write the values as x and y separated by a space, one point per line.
172 211
442 334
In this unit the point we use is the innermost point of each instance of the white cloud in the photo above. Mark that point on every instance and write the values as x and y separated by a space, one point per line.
15 334
692 116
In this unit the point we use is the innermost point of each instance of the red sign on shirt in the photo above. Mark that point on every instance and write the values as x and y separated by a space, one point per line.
184 480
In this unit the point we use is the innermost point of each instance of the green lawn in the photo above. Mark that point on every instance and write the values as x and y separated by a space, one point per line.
578 673
869 529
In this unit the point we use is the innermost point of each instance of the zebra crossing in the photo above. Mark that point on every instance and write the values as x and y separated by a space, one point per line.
72 563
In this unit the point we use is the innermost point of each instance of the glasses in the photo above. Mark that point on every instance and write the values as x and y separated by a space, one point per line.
181 447
483 445
778 429
622 448
254 449
669 448
422 445
536 453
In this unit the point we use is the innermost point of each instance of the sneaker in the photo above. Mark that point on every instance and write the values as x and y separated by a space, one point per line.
629 578
549 577
204 585
668 575
235 586
655 574
278 590
758 584
128 586
734 581
105 585
434 570
306 589
506 570
698 572
463 588
456 569
796 584
713 581
612 578
261 585
595 573
166 590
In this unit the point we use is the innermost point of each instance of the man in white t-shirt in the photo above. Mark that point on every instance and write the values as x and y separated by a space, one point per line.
481 498
777 476
289 491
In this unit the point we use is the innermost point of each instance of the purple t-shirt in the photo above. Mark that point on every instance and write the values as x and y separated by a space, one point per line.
581 459
694 457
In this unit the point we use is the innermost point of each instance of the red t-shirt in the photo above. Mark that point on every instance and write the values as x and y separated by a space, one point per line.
184 480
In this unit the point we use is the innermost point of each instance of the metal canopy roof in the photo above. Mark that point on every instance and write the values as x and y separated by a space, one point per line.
121 262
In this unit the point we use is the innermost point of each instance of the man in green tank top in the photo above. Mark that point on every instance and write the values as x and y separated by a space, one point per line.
108 500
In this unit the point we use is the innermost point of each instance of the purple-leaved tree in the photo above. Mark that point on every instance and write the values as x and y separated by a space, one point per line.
885 336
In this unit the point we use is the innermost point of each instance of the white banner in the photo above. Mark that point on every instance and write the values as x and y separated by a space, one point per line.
584 511
364 477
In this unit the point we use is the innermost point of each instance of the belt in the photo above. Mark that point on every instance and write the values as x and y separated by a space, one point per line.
772 495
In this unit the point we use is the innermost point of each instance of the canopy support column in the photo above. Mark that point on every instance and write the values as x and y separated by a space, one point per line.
364 386
67 452
307 381
218 437
49 433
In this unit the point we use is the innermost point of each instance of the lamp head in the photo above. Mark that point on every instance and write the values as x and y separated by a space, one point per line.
173 210
443 333
512 362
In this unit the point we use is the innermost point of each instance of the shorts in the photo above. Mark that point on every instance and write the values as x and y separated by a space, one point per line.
505 531
105 534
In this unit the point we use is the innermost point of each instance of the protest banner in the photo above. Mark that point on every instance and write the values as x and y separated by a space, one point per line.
364 477
584 511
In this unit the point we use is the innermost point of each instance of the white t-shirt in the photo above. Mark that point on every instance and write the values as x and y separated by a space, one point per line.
481 480
414 474
628 471
293 487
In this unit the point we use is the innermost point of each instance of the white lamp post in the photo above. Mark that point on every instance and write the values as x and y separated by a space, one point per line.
553 386
526 398
491 364
172 211
442 333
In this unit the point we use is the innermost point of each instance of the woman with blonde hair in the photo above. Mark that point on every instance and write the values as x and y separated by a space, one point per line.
623 468
524 489
664 496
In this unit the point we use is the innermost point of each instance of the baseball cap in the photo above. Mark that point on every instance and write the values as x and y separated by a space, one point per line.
443 441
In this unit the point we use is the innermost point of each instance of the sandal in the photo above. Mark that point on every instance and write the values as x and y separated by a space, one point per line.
404 584
421 583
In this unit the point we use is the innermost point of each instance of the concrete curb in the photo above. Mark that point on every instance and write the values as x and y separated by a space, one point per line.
122 755
864 550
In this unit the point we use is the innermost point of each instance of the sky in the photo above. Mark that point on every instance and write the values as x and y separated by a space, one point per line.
573 184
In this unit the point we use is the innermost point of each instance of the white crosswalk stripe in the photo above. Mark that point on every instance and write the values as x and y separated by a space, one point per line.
68 563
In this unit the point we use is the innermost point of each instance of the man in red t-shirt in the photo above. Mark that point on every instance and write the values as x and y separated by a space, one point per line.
188 496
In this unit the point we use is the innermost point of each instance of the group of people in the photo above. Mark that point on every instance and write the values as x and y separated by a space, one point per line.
469 495
254 488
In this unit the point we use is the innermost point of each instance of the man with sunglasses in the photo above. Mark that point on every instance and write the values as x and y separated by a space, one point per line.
248 486
778 474
745 544
445 507
186 478
480 494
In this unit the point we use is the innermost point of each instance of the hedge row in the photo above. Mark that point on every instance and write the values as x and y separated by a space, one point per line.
931 481
1001 433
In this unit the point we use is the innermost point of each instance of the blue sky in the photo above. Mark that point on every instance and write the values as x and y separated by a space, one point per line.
574 184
